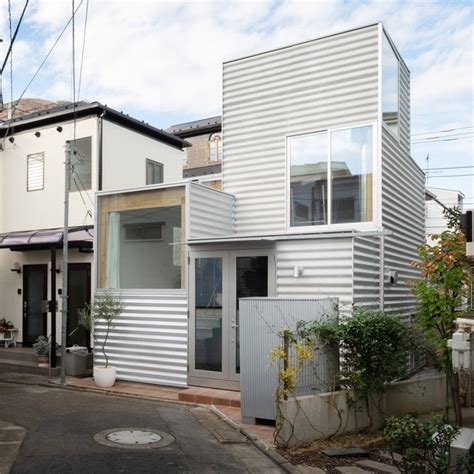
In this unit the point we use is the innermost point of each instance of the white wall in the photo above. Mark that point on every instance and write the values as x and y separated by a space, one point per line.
23 210
124 157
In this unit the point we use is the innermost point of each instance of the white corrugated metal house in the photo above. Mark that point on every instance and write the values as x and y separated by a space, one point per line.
320 197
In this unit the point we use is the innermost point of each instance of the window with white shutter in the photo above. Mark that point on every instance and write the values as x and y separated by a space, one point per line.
35 172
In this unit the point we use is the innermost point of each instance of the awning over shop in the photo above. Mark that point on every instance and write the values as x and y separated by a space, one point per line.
81 237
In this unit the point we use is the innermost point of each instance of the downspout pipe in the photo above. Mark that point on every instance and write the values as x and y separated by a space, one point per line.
100 150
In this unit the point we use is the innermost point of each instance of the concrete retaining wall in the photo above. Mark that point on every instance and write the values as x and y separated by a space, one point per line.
308 418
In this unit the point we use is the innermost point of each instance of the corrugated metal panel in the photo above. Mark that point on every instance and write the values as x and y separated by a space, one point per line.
367 271
149 341
327 269
211 212
403 207
261 319
324 83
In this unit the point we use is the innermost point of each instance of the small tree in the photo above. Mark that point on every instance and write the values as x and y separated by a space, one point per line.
106 308
445 270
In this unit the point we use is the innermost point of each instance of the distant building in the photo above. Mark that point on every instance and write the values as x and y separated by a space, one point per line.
204 157
436 201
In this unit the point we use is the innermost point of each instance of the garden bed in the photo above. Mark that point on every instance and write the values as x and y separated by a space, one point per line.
312 455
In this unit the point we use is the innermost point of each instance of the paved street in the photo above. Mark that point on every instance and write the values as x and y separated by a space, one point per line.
61 425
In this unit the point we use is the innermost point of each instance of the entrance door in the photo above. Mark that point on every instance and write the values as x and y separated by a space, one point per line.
35 288
217 281
79 293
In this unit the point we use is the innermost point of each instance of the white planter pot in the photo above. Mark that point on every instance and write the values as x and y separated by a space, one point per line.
104 377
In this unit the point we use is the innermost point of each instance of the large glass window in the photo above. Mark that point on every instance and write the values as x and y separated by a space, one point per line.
308 179
346 197
351 168
81 177
140 237
390 86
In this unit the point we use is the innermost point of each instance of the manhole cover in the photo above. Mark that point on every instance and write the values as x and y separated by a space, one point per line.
133 438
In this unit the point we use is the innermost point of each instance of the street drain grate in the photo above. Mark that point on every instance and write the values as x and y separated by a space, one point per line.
133 438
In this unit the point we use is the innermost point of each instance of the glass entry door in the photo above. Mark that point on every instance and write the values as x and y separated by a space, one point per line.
217 281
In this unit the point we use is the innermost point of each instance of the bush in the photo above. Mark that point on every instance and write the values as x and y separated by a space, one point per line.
423 444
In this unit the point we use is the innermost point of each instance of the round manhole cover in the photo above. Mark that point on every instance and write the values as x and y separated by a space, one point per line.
133 438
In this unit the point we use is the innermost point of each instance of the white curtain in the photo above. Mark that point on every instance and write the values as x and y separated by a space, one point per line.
112 279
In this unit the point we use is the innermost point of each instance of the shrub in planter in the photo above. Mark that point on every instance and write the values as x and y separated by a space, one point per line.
42 348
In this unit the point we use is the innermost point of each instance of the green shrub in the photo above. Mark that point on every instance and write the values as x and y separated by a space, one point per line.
423 444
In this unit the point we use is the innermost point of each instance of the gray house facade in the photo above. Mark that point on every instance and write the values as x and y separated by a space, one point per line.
320 198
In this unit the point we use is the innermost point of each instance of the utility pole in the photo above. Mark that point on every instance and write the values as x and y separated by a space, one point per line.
67 186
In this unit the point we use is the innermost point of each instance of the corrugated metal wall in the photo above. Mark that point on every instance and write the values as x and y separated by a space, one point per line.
366 271
149 341
307 87
211 212
261 319
403 206
327 269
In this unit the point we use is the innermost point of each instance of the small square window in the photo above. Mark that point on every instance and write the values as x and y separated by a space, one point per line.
154 172
35 172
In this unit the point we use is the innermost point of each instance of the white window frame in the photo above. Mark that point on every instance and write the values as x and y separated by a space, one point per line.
34 156
154 163
374 224
383 33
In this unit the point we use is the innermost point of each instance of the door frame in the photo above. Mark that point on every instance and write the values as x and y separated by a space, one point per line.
88 268
26 268
227 378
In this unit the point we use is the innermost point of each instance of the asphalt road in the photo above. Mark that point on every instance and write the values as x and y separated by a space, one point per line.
61 425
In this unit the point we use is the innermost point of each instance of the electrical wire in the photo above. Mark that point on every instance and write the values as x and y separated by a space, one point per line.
451 176
83 49
448 168
443 140
11 52
38 70
442 131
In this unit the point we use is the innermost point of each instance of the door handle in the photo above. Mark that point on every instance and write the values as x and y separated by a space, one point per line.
233 325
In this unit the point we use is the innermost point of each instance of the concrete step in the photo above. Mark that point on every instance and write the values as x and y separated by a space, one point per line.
210 396
28 367
21 353
351 470
378 466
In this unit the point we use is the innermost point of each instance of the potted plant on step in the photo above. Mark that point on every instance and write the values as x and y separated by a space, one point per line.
105 309
42 348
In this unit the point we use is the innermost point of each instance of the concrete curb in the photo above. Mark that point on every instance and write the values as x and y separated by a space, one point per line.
278 459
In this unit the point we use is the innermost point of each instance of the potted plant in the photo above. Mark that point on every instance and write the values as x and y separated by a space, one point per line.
5 327
42 347
105 308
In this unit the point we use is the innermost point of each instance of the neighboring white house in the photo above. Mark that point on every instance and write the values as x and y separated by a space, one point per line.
436 201
113 151
320 198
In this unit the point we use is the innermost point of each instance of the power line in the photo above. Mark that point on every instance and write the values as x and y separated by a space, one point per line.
452 176
443 131
38 70
11 54
83 49
447 168
14 37
442 140
438 137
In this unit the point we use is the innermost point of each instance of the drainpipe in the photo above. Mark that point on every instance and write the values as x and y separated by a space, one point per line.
100 151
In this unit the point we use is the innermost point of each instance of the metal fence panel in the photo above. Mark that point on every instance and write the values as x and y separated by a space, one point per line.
261 320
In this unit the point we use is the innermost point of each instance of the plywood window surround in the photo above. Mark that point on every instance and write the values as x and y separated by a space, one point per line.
151 257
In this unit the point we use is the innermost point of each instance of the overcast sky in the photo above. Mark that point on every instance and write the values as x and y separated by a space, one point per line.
162 61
